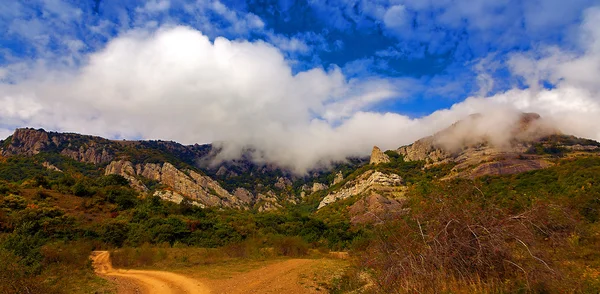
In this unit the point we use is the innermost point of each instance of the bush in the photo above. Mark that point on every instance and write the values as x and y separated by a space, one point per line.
82 190
113 180
16 278
290 246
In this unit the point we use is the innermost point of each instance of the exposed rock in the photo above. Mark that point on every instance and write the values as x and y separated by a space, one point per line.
318 187
339 177
244 195
424 149
477 154
50 166
376 208
306 188
89 153
125 169
267 202
169 195
282 183
187 183
370 180
506 166
377 156
27 142
222 171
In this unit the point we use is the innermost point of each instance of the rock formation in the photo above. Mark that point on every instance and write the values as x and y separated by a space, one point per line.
475 152
339 177
377 156
369 181
187 183
376 208
29 142
318 187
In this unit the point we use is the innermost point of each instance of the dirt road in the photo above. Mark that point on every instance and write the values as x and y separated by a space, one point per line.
145 282
294 276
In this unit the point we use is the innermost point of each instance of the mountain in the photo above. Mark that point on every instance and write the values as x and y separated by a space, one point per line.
480 196
467 149
528 143
470 148
170 170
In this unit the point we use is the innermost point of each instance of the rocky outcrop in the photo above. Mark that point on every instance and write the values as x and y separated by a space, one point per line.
169 195
29 142
267 202
318 187
376 208
282 183
339 177
187 183
51 167
244 196
369 181
425 149
477 148
89 153
377 156
127 170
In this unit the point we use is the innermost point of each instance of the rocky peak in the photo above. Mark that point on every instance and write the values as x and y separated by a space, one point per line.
377 156
27 141
339 177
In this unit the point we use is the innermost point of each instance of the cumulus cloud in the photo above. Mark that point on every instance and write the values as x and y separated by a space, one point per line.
175 83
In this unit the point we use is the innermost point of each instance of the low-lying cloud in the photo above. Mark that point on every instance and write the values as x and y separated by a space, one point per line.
175 84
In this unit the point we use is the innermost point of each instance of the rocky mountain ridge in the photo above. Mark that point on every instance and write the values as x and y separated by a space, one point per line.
176 171
475 152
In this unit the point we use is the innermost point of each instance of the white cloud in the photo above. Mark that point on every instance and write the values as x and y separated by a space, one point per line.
174 83
396 17
154 6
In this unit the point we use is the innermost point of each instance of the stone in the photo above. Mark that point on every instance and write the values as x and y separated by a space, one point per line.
377 156
339 177
369 180
282 183
318 187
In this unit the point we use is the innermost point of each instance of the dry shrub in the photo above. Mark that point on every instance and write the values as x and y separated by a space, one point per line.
74 254
15 277
460 246
290 246
251 248
137 257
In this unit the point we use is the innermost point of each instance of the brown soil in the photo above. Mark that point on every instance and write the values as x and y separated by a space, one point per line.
293 276
144 282
289 276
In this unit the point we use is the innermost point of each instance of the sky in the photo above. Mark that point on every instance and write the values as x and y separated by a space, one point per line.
302 83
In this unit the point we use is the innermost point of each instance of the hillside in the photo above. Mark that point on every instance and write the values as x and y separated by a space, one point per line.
168 170
430 215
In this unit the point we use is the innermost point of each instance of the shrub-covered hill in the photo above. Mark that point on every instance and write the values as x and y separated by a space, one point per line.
163 168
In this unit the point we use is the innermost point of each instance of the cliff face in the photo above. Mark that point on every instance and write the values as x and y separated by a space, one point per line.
87 149
370 181
478 148
187 183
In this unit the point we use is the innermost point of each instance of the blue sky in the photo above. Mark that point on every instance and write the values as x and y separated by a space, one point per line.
437 43
412 58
